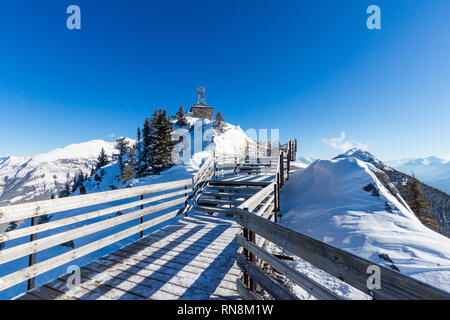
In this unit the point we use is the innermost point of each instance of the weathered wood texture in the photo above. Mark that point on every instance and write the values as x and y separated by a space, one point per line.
191 259
341 264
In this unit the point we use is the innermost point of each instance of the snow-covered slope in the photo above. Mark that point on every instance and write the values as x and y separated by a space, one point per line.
202 138
209 139
432 170
333 201
306 160
24 179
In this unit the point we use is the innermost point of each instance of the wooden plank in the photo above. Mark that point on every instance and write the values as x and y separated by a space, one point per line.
239 183
209 163
244 292
53 240
269 201
215 210
49 264
34 209
309 285
83 217
224 172
227 195
256 200
272 287
341 264
203 201
235 189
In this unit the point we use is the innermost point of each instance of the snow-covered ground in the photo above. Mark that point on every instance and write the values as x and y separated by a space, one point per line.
207 140
327 201
25 179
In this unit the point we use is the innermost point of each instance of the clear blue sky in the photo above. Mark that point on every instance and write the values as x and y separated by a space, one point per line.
310 68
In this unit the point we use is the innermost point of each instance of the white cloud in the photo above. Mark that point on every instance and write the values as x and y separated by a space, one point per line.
111 135
340 143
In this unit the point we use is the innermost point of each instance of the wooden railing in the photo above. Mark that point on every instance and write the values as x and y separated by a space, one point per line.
258 216
180 195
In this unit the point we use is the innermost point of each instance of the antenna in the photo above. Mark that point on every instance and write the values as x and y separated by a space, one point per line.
201 100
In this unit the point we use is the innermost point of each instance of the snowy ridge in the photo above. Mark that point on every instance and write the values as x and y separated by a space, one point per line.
25 179
204 140
332 201
433 171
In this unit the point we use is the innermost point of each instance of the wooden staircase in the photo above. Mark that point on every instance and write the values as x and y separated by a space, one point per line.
223 196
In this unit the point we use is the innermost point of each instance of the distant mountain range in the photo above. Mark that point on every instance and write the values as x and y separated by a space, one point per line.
25 179
432 171
438 200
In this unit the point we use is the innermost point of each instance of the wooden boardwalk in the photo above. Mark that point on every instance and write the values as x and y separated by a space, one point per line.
194 258
191 259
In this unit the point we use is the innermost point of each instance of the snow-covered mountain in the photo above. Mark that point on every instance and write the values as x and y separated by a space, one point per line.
350 204
432 170
205 136
438 200
200 139
306 160
361 155
25 179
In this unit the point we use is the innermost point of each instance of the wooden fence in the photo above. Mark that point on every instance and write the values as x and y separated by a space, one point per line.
258 216
181 193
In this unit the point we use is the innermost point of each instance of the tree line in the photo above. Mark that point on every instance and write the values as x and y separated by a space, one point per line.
152 152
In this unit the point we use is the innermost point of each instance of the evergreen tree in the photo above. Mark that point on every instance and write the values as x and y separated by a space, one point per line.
127 173
181 118
220 122
139 167
121 146
147 133
102 160
161 142
418 204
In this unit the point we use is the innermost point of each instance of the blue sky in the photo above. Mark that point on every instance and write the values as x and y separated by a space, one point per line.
310 68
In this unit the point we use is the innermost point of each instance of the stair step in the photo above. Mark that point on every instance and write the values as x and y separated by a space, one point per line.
227 195
215 210
239 183
203 201
235 189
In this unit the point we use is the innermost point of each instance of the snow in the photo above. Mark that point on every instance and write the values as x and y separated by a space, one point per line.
432 170
327 202
75 156
24 179
202 138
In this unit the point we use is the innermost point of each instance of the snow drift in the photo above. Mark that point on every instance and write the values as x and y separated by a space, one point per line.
343 202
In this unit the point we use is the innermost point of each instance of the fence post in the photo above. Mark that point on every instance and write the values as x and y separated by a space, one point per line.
246 276
32 257
288 163
295 149
275 207
281 168
142 218
278 196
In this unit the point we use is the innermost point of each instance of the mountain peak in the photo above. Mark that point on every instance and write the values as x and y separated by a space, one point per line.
361 155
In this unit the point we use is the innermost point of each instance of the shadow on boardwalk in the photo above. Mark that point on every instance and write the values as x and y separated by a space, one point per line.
192 259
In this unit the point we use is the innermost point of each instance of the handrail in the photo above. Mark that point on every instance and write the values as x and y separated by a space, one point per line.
339 263
180 192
